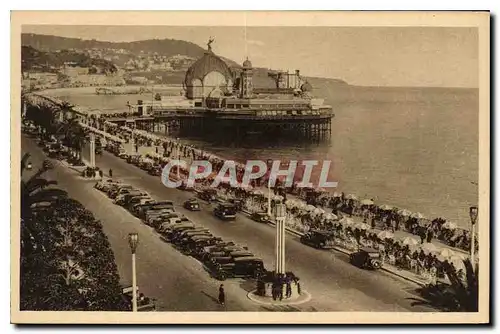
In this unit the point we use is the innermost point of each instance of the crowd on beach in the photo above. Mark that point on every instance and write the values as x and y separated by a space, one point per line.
353 222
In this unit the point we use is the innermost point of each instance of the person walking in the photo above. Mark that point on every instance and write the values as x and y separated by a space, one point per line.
222 295
288 289
110 173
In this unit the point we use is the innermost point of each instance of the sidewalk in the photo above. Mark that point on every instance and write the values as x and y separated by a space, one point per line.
399 235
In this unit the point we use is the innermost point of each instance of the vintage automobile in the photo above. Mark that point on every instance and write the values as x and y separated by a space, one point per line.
260 217
119 189
238 203
240 253
156 206
123 199
152 214
245 267
225 211
318 239
220 249
192 245
185 236
173 233
133 207
192 205
366 257
155 170
208 195
167 217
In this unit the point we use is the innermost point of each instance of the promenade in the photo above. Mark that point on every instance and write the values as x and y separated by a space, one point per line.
417 275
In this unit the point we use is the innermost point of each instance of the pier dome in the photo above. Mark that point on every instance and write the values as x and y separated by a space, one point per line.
247 64
208 73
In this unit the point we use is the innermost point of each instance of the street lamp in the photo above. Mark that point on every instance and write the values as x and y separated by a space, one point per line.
178 158
269 164
133 240
473 212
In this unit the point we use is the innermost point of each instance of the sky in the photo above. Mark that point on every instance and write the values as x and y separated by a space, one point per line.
367 56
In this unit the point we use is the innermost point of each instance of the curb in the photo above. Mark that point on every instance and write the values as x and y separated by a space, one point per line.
298 301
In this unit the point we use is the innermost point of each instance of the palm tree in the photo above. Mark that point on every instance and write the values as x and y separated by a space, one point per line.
36 196
461 295
74 135
65 108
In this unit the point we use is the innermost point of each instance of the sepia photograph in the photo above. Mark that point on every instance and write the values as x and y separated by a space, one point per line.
250 167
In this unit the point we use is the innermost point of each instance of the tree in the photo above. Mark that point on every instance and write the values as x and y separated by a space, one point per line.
36 196
73 135
461 295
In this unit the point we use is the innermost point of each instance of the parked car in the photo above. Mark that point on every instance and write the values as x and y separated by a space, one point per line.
318 239
208 195
144 304
367 258
245 267
192 205
225 211
238 203
260 217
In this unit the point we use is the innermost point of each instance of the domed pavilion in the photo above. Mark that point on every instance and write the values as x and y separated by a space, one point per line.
209 76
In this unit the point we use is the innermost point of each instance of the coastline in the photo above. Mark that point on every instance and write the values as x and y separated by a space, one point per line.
392 196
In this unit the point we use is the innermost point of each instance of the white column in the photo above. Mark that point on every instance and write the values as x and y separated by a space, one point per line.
280 245
277 248
283 235
92 150
134 285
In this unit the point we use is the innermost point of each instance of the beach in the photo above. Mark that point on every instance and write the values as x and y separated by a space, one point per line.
414 148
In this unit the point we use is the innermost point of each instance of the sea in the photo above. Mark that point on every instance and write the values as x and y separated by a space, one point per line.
413 148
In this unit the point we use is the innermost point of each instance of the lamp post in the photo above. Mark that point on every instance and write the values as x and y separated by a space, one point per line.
280 215
178 158
269 213
473 212
269 197
133 240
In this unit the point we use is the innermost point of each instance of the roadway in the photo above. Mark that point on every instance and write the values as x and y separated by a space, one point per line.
180 283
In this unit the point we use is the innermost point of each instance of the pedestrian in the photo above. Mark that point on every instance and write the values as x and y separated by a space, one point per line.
288 289
222 295
298 288
156 149
430 234
422 236
136 148
110 173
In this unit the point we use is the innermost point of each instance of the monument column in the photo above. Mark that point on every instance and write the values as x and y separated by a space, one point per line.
92 150
280 215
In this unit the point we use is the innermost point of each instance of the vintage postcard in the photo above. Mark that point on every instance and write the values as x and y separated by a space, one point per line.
250 167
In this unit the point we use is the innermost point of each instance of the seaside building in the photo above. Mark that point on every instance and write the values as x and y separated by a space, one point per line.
220 98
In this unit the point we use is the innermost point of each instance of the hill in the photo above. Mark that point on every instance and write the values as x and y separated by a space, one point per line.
168 47
54 49
32 58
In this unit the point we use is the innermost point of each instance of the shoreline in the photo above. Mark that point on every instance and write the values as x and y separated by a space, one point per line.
462 223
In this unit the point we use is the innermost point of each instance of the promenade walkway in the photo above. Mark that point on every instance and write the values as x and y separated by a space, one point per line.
421 277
